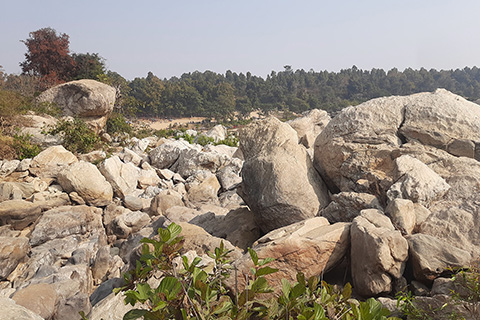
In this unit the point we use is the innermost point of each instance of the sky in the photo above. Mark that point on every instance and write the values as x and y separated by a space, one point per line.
170 38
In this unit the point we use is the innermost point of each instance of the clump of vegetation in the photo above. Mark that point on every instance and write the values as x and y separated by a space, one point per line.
117 123
24 147
77 136
193 290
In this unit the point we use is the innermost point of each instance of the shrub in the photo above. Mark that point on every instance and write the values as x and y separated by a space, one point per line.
117 123
77 136
195 291
24 147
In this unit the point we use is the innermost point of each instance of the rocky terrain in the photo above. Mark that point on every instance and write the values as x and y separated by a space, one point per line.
384 195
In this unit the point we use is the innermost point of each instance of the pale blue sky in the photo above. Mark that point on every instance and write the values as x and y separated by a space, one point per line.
173 37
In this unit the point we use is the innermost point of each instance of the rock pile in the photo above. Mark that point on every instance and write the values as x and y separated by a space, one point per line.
388 197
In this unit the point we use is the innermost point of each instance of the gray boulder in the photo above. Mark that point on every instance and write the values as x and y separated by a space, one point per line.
280 184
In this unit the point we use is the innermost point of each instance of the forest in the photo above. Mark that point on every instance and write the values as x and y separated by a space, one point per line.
48 61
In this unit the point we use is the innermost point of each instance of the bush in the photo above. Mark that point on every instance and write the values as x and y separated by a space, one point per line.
23 146
195 291
12 104
77 136
117 123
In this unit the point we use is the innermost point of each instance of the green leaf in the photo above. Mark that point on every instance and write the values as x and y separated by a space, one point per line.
265 261
297 291
259 284
286 287
319 312
347 291
174 230
134 314
170 286
253 255
265 270
143 291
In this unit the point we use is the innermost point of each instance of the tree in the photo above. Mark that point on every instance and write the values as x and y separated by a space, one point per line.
48 56
88 66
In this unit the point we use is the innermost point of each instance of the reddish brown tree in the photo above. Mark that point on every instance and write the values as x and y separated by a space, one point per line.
48 55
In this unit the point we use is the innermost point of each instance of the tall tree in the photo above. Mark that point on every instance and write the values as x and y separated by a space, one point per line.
48 55
88 66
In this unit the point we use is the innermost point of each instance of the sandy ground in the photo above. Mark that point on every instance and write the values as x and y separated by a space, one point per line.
165 124
159 124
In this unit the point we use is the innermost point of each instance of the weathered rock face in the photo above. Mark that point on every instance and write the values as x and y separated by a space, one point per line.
312 246
122 176
51 161
280 184
378 253
382 147
19 213
167 153
12 251
345 206
431 256
309 126
85 179
11 310
36 126
87 99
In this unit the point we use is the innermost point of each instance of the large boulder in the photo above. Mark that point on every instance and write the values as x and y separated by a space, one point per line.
19 213
88 99
378 253
86 180
309 126
415 148
51 161
431 257
312 246
167 153
11 310
122 176
280 184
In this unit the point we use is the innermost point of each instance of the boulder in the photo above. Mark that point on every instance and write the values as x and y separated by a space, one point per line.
358 151
88 99
35 128
165 200
16 190
41 298
49 162
122 176
309 126
296 247
64 221
345 206
167 153
148 178
378 253
19 213
402 215
8 166
217 133
193 160
280 184
11 310
229 176
204 188
431 257
86 180
416 181
13 250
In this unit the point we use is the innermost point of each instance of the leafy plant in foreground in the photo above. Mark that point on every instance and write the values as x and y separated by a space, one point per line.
194 290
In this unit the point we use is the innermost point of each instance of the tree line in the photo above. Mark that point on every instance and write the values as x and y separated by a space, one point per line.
48 59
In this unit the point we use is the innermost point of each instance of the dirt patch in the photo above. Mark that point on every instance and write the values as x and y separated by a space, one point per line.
159 124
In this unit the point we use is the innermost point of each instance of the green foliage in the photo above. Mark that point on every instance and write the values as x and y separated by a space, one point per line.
77 136
12 103
117 123
24 147
230 140
197 291
203 140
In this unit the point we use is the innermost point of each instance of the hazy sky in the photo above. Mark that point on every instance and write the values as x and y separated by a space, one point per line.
173 37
